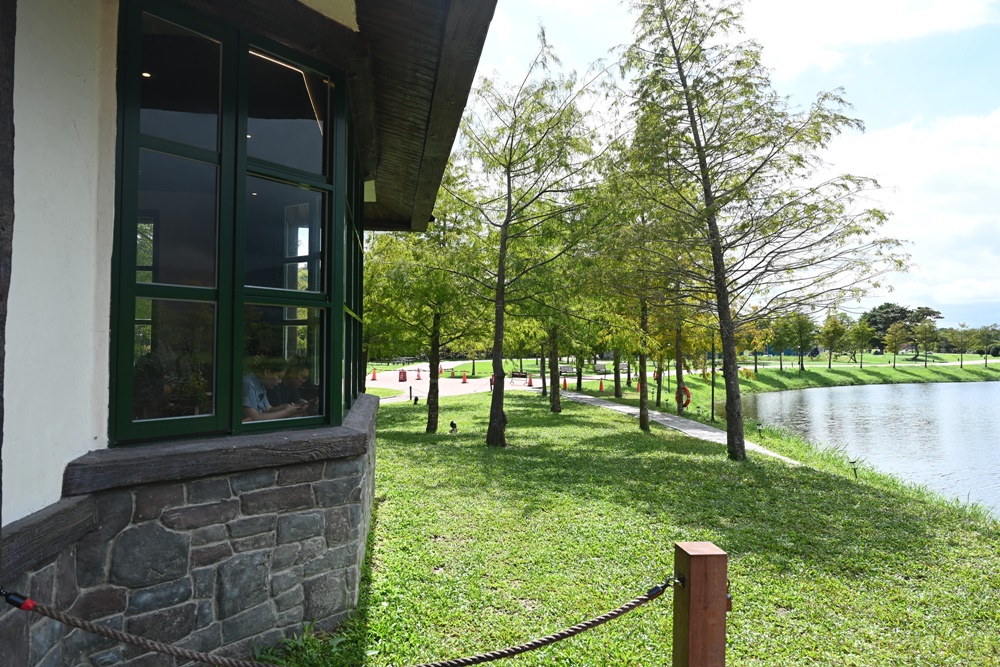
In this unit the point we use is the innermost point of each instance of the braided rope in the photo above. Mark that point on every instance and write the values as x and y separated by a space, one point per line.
651 595
205 658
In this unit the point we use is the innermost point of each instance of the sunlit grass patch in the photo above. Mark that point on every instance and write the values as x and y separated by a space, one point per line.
475 548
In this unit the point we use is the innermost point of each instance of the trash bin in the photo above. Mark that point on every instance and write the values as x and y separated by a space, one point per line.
402 375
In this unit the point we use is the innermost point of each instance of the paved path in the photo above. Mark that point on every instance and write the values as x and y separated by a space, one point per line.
685 426
448 386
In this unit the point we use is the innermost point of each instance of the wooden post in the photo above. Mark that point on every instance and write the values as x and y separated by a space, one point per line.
700 605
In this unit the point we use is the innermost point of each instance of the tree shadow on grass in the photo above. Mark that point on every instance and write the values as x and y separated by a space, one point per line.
671 488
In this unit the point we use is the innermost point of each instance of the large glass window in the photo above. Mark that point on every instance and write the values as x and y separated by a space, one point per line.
231 297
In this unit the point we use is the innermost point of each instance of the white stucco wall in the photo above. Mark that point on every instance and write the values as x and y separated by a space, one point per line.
56 371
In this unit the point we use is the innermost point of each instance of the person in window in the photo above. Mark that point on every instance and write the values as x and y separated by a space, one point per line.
287 390
256 406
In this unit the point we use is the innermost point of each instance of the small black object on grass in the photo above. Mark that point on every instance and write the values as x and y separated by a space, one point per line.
454 427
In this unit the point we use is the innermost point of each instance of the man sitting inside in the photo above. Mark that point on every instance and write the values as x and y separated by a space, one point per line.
256 406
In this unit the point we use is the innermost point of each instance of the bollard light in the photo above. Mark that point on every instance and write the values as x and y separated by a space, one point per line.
760 430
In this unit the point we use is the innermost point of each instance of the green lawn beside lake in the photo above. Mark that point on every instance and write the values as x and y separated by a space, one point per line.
473 549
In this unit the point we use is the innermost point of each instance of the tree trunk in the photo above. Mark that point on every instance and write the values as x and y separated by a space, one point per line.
659 380
434 358
643 386
579 374
755 362
541 373
679 370
735 444
628 370
496 432
862 363
473 365
616 359
829 363
555 404
781 365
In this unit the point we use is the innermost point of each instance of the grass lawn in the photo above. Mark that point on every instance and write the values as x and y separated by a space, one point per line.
384 393
473 549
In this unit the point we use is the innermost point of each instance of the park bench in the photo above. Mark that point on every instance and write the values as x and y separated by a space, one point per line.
601 367
623 366
518 377
566 369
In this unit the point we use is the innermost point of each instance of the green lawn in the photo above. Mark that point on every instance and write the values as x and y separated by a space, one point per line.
384 393
474 549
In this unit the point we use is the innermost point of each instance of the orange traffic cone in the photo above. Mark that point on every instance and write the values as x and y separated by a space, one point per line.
463 378
564 384
529 380
440 370
601 389
418 372
638 386
373 374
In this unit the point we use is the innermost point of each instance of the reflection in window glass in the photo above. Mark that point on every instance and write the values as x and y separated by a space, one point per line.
174 359
180 84
282 363
284 243
176 229
286 114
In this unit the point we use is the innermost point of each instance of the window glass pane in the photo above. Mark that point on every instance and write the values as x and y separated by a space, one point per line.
174 356
180 84
282 363
284 242
287 114
176 226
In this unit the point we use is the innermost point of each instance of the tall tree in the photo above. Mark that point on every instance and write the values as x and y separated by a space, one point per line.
434 305
528 150
894 339
962 339
735 159
987 336
881 317
861 335
832 335
925 333
803 335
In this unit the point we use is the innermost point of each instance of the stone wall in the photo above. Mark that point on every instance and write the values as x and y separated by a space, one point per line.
220 563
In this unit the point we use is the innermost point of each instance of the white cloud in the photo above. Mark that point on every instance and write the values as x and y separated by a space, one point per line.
797 35
940 179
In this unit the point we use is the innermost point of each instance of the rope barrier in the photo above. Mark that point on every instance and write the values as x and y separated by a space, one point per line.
27 604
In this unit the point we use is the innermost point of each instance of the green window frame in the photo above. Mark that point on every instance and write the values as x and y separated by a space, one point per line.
316 306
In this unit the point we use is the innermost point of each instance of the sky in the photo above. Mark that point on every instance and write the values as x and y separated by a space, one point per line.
924 76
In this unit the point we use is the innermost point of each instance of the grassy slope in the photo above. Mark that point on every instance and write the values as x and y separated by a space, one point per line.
476 548
772 379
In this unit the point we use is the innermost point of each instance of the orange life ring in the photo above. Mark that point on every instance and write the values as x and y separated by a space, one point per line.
687 396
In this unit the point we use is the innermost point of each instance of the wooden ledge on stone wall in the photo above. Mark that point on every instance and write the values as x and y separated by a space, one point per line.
40 536
146 464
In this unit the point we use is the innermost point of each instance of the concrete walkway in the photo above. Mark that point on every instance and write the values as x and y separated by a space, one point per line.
685 426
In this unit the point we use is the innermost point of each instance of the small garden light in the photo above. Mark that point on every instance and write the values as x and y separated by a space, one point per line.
760 430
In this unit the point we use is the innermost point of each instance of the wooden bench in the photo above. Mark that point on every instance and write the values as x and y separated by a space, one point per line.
519 376
601 368
566 369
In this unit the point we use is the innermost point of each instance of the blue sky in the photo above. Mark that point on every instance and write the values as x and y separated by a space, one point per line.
924 75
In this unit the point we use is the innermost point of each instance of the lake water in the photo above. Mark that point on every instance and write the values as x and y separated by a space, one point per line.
944 436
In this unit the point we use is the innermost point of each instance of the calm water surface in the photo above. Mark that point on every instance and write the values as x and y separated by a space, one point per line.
944 436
